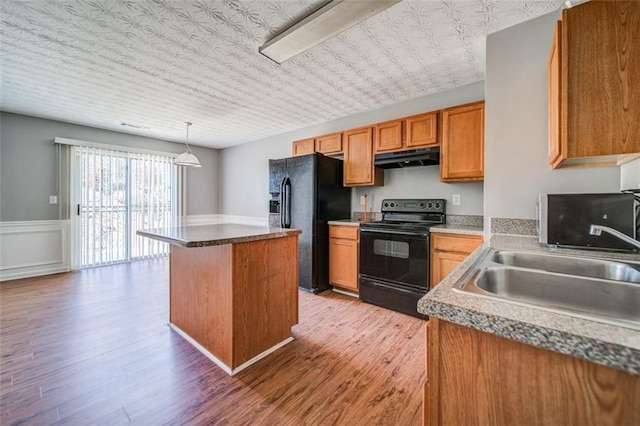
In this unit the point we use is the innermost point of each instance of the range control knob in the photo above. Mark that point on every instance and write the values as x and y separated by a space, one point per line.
386 204
422 205
430 205
393 205
437 205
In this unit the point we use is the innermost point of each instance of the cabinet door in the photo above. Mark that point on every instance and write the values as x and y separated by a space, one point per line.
329 144
421 130
448 251
358 158
303 147
600 80
462 149
554 78
388 136
442 263
343 263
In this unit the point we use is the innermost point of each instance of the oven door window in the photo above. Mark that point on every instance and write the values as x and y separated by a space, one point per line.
395 257
388 248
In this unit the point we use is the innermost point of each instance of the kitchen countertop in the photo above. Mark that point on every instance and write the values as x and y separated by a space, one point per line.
345 222
441 229
212 235
595 341
457 229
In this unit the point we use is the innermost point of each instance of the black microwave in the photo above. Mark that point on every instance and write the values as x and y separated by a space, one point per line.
565 219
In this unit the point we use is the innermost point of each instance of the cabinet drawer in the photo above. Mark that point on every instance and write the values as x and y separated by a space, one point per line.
456 243
347 232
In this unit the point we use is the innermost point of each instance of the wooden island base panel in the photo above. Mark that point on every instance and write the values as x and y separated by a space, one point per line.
237 301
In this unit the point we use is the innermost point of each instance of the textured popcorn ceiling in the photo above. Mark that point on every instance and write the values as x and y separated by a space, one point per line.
159 63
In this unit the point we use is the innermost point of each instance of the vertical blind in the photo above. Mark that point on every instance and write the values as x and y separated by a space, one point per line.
117 193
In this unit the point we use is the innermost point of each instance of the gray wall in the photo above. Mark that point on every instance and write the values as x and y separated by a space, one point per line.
244 168
28 172
516 168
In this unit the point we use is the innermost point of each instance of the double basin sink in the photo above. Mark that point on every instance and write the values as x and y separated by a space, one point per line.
603 290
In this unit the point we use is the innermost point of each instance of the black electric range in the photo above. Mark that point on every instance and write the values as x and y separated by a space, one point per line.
394 253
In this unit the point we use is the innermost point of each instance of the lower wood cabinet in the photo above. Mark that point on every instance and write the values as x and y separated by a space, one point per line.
448 251
343 256
477 378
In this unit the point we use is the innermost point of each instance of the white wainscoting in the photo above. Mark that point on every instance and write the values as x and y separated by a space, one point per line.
41 247
32 248
210 219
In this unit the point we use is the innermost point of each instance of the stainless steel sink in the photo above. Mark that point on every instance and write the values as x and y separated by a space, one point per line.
595 268
617 299
603 290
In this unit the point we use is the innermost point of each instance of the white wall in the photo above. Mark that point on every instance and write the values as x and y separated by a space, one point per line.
245 168
630 175
516 168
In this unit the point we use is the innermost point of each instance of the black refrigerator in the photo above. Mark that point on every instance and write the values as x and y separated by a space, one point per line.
307 192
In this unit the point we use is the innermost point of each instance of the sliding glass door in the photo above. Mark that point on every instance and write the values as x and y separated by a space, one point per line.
115 193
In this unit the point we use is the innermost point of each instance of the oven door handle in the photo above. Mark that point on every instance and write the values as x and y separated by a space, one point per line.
409 233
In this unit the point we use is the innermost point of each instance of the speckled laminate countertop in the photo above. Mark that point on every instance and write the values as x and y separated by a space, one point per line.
457 229
595 341
213 235
442 229
345 222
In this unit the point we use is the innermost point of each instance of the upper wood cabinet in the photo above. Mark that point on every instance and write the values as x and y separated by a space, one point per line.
303 147
418 131
343 256
358 159
462 144
388 136
422 130
594 85
329 144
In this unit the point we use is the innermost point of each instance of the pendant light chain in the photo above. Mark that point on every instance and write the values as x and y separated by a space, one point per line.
188 125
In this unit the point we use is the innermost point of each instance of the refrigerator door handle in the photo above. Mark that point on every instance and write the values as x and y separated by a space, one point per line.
282 202
287 202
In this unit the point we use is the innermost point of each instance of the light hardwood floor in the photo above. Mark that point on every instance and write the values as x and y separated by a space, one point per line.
93 347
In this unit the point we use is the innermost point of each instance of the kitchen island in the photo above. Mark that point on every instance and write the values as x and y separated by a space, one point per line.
233 289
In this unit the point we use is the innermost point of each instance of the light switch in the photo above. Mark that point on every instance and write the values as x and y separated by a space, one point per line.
53 199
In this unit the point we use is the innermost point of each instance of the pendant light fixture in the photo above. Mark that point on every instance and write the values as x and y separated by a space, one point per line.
187 159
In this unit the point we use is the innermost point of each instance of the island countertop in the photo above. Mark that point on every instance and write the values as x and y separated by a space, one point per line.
213 235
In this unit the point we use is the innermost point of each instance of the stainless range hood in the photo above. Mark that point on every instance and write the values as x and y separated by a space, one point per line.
413 158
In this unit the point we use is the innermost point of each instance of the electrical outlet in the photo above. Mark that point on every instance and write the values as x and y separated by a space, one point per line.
53 199
455 200
363 199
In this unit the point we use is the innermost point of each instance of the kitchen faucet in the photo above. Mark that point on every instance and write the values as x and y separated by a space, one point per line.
597 230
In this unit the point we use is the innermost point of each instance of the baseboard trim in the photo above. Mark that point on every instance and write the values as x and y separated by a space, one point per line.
230 371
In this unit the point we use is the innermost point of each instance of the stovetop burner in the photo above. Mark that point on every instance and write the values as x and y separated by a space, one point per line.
409 214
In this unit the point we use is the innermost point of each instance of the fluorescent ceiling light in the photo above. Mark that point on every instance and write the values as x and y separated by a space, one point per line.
324 23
